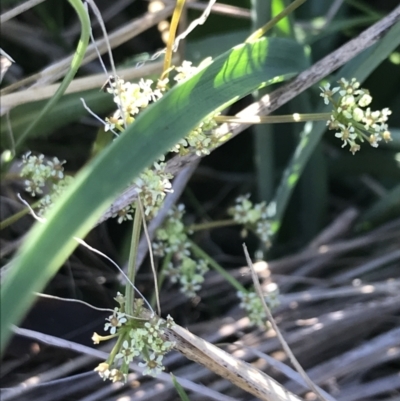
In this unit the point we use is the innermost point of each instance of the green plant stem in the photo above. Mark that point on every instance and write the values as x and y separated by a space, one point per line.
129 290
116 348
211 224
270 24
15 217
179 389
287 118
75 64
161 276
229 278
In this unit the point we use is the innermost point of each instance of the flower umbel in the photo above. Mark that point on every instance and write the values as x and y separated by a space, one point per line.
252 304
44 177
253 217
136 338
172 239
352 117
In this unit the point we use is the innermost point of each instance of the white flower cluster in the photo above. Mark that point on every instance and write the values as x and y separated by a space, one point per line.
41 173
172 239
116 320
153 184
136 339
253 217
189 273
184 71
253 306
130 98
352 118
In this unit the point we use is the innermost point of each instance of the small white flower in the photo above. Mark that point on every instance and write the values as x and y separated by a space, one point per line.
116 320
327 93
153 366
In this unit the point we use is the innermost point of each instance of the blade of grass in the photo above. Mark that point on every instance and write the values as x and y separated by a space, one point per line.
75 64
179 389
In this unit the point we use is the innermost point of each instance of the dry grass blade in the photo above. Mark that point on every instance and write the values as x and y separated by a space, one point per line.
77 85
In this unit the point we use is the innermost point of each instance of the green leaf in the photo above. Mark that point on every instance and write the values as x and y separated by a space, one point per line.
230 77
182 393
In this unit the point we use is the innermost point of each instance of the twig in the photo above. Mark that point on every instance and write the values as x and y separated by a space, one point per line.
238 372
94 81
271 319
285 369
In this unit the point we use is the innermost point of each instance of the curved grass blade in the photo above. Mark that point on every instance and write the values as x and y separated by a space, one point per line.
230 77
75 64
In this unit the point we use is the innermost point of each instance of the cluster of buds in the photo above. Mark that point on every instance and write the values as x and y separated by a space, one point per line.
152 186
253 217
352 117
201 140
44 177
253 306
172 241
136 338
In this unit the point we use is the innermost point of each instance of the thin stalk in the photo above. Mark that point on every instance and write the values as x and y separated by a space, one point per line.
270 24
161 276
75 64
230 279
153 267
211 224
287 118
129 290
15 217
176 16
116 348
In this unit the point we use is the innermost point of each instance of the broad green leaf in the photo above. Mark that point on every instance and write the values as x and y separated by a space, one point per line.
230 77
